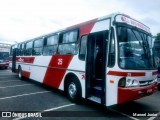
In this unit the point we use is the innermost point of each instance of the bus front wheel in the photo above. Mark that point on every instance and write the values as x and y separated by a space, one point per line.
73 90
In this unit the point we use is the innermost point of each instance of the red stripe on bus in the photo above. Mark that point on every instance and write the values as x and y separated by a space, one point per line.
86 29
54 76
135 74
127 94
26 74
155 73
82 24
25 59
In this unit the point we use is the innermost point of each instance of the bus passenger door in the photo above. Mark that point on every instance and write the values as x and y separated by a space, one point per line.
14 60
96 66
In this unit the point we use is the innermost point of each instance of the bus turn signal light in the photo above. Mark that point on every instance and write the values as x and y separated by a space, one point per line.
111 81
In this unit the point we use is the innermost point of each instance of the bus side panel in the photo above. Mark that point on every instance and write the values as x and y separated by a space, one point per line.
112 89
39 67
56 70
76 67
25 64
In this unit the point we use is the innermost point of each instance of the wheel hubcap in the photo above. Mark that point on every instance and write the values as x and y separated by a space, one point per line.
19 74
72 90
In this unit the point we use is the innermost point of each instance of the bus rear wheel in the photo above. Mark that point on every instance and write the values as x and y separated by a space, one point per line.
73 90
20 73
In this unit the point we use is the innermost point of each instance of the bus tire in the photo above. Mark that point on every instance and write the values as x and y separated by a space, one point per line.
73 90
20 73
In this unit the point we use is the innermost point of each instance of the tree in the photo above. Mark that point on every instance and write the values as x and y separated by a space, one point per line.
158 36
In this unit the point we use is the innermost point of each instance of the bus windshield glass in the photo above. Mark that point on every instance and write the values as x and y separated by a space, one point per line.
135 49
4 55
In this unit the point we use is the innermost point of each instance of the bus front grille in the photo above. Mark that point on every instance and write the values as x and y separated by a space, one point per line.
146 83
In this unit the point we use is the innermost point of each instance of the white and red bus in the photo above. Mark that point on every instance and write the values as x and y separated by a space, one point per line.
108 60
4 55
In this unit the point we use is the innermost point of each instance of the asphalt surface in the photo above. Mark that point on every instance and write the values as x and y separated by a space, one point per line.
21 97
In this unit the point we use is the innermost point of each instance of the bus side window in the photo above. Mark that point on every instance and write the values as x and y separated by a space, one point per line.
28 50
38 46
111 59
11 50
18 49
21 52
68 43
50 45
83 46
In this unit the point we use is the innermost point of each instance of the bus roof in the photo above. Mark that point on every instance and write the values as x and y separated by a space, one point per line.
4 47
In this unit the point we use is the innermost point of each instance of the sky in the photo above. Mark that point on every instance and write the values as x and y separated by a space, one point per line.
25 19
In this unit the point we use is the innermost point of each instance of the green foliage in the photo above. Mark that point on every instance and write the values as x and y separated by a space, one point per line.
158 36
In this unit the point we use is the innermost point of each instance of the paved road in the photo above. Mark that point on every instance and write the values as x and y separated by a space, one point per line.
21 96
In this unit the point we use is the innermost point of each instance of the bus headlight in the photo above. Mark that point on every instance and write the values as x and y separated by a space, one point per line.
124 82
128 82
156 80
135 83
132 83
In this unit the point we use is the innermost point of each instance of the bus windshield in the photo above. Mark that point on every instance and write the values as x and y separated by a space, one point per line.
4 55
135 49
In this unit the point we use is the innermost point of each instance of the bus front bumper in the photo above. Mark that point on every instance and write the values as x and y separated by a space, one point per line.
129 94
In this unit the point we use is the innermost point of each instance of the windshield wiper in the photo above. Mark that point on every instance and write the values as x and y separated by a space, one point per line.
147 49
143 44
137 39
